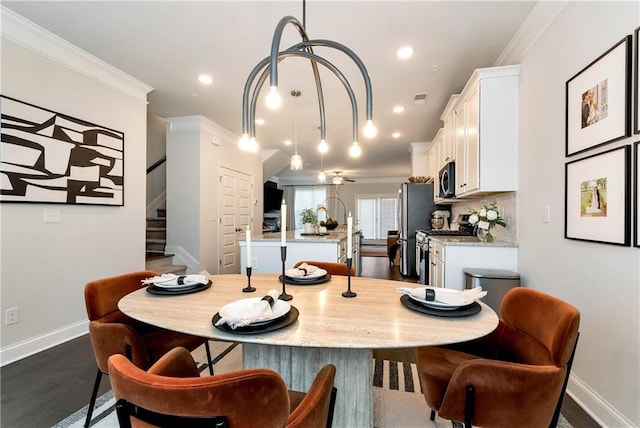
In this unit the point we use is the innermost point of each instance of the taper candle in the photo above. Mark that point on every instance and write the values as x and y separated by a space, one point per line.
248 247
283 224
349 236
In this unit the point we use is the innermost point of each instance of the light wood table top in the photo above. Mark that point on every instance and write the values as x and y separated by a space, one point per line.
374 319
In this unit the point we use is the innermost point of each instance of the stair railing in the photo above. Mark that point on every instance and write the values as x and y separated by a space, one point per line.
159 162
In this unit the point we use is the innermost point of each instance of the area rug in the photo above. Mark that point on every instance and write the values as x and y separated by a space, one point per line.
397 397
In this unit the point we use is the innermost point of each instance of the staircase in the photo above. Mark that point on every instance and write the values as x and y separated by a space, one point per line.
156 260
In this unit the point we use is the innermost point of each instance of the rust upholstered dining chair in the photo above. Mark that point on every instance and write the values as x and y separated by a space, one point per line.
172 393
112 332
515 376
332 268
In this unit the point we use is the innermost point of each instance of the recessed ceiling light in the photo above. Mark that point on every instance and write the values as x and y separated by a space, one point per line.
259 121
398 109
405 52
287 142
205 79
396 135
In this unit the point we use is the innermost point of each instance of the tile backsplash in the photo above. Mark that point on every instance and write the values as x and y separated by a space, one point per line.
507 207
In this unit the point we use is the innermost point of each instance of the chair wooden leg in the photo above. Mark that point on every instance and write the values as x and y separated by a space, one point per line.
556 413
433 415
468 407
94 395
332 405
206 347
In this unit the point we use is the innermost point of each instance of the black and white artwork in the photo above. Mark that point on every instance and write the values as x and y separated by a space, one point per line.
48 157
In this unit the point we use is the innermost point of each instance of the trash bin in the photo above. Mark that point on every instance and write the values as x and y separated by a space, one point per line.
495 281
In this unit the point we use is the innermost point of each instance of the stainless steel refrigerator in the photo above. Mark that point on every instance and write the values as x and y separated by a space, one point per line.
415 205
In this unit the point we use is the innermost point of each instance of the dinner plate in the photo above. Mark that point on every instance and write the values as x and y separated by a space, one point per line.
462 311
279 308
306 280
276 324
437 305
318 273
153 289
168 284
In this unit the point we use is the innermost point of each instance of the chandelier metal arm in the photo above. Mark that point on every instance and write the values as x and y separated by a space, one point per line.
311 57
351 54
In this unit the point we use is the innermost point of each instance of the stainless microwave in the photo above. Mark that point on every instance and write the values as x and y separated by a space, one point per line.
447 181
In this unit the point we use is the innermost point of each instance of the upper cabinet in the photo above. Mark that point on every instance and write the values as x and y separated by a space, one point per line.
449 138
485 132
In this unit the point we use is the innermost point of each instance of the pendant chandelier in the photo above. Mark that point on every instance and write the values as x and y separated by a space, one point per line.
296 159
268 67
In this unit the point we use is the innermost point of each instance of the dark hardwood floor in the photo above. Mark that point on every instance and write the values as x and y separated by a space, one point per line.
41 390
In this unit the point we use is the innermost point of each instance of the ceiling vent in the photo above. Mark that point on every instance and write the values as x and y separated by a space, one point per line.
420 99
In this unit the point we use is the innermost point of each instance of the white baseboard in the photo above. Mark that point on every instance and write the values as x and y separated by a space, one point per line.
182 257
159 202
40 343
599 409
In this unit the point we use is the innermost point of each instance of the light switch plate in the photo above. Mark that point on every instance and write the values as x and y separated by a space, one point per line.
51 216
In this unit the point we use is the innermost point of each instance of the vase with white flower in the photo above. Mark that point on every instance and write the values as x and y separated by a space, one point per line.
486 219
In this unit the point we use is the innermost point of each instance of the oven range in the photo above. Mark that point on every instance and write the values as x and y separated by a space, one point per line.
422 248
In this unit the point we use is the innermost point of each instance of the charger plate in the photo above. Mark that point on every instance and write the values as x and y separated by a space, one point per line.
152 289
463 311
276 324
306 281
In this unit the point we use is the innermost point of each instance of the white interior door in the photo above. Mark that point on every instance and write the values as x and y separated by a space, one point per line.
234 206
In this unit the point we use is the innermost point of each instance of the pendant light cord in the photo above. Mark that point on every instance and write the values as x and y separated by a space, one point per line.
304 14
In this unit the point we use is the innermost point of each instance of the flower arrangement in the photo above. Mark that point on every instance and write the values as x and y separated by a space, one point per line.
485 219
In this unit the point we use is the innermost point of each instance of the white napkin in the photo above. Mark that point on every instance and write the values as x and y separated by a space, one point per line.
446 295
303 270
171 280
256 312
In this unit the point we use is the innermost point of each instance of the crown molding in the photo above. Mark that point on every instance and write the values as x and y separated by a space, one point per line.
534 25
27 34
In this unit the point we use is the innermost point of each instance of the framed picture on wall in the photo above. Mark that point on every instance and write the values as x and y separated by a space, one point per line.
49 157
637 115
636 198
597 197
598 100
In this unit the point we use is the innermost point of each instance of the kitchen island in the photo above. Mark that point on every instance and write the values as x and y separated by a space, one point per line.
332 247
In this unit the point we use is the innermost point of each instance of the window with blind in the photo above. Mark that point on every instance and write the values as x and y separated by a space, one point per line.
307 197
376 215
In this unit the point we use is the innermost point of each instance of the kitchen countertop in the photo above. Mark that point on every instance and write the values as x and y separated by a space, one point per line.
471 241
298 235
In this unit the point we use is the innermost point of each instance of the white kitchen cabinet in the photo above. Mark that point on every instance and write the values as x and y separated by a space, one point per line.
486 117
448 118
449 256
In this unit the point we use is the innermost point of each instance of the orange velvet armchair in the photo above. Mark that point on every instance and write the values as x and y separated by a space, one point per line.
112 332
172 392
515 376
331 267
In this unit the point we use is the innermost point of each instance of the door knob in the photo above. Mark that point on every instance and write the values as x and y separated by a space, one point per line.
238 229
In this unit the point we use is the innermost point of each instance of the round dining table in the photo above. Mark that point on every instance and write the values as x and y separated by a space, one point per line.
329 329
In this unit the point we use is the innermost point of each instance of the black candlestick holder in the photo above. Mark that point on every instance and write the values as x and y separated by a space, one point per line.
248 288
349 293
283 257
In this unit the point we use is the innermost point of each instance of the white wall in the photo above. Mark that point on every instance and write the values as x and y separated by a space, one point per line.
196 149
44 267
602 281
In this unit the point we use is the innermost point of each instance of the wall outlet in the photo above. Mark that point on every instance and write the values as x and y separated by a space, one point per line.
51 216
11 316
546 213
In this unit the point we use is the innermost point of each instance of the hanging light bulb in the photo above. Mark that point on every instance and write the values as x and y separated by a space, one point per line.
243 144
296 162
273 99
355 150
253 145
296 159
323 147
370 129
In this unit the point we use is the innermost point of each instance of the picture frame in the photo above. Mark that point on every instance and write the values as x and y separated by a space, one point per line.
597 197
636 199
50 157
637 103
598 100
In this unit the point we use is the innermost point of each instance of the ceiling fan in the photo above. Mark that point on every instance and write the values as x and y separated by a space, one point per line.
340 179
